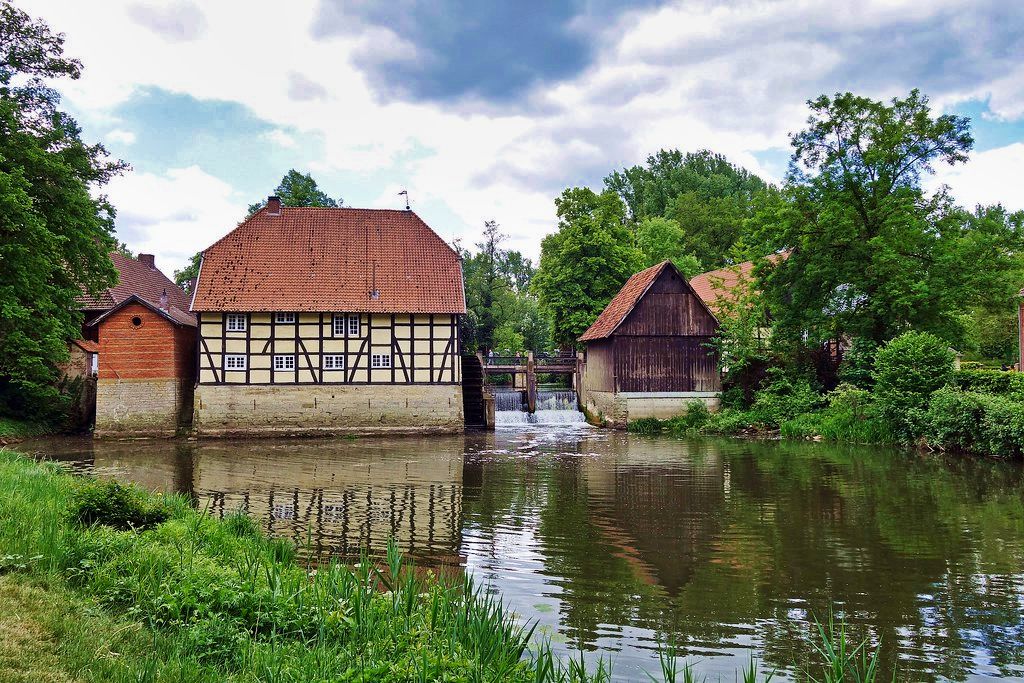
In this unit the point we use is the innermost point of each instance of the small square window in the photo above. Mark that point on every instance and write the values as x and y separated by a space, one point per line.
234 362
284 317
284 362
334 362
236 322
380 360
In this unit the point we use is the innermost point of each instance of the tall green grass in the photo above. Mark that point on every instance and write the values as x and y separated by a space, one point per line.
206 599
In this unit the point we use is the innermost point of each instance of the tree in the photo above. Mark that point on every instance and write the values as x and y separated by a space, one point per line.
585 263
503 313
55 235
870 254
183 276
298 189
661 239
706 195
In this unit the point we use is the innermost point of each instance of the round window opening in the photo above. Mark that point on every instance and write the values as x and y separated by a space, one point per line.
136 321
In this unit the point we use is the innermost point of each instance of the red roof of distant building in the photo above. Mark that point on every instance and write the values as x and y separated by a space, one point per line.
139 277
322 259
623 302
717 284
86 345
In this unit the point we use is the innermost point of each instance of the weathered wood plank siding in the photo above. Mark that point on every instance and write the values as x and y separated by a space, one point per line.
665 364
663 345
600 367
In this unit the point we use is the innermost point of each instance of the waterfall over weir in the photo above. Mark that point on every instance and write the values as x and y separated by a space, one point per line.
554 406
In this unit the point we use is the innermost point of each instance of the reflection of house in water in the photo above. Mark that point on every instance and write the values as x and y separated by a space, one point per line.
341 497
661 519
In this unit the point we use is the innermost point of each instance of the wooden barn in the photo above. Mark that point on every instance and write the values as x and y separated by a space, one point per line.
648 353
324 320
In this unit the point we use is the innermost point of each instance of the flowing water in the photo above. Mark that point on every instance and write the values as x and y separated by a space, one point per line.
615 542
554 407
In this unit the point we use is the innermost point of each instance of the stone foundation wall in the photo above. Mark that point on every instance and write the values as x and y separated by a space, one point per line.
223 410
618 409
141 407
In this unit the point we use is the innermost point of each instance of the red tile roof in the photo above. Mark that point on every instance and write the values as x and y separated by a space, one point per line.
86 345
173 313
320 259
138 278
623 302
719 284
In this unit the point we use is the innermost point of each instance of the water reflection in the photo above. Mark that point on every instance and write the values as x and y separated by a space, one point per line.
615 542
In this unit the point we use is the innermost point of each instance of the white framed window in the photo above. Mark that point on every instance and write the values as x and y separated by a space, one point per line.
236 322
284 362
346 322
334 361
284 317
380 360
234 361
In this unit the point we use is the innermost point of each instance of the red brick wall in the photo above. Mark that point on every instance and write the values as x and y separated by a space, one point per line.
156 349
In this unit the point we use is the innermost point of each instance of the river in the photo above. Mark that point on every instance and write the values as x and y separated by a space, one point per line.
614 542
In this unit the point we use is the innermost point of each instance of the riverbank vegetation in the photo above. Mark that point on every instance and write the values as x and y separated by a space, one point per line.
910 393
109 583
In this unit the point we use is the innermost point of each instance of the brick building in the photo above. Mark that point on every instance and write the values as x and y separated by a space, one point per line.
324 320
144 342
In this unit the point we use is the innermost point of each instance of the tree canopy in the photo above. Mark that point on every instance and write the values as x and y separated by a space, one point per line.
503 314
55 235
585 263
298 189
871 254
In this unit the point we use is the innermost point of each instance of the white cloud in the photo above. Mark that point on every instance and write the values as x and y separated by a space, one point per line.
989 177
174 214
125 137
729 77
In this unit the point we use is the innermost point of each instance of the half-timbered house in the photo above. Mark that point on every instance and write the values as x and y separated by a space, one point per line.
329 320
649 354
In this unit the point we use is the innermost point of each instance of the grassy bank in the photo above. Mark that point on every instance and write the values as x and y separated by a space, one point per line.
107 583
13 429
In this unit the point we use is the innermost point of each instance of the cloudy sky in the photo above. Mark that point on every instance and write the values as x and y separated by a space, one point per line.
487 110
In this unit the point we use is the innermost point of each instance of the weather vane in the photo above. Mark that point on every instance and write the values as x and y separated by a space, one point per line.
406 193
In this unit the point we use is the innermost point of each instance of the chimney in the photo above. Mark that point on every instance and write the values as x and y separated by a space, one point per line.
163 300
148 259
273 206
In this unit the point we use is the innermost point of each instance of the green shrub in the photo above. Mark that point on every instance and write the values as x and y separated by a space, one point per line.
1003 427
729 421
955 419
907 370
858 364
783 398
990 382
988 424
696 416
114 505
645 425
801 427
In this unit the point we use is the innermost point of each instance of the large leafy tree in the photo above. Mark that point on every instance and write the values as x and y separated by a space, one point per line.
55 234
503 314
708 198
661 239
298 189
871 254
585 263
